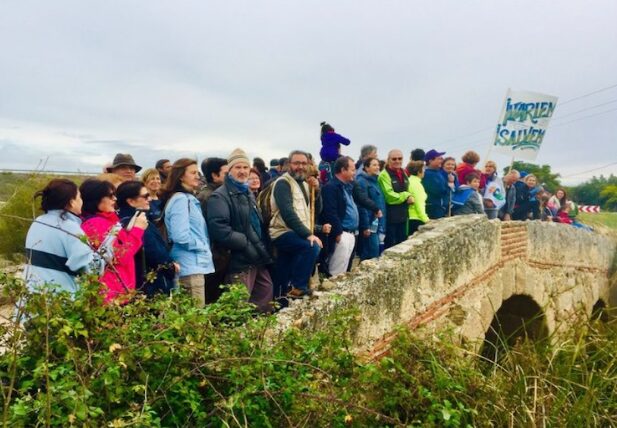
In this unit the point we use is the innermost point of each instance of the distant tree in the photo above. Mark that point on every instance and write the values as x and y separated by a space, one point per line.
609 194
591 192
546 177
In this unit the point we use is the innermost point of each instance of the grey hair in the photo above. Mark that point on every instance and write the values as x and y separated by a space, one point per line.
366 150
298 152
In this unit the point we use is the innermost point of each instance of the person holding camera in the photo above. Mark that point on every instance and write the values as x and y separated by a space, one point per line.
115 244
155 270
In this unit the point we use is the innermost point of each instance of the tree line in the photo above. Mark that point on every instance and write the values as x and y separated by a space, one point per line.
595 191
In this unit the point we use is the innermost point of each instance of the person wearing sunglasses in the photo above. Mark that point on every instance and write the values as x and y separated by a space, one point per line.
155 270
394 184
115 244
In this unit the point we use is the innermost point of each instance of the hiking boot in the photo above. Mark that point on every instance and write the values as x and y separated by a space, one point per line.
296 293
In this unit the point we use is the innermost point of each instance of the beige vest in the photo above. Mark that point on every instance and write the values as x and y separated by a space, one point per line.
277 225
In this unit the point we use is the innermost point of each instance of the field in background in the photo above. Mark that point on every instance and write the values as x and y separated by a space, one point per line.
604 220
8 183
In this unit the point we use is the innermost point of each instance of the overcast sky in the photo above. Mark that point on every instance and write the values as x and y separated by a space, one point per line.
83 80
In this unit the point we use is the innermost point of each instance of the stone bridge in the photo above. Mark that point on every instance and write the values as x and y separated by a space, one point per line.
466 274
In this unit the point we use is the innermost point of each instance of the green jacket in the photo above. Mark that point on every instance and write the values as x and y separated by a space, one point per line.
395 194
417 210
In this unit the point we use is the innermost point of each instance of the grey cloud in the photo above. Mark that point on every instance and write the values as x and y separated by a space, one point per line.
264 74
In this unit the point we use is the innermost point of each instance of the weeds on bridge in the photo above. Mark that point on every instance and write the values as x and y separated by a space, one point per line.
164 362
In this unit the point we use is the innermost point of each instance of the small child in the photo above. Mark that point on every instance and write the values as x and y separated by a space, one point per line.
330 150
467 199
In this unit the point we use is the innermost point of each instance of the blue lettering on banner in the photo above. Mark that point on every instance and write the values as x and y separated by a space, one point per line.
521 112
530 138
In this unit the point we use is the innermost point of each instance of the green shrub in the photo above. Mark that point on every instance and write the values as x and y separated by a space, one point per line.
164 362
18 208
15 214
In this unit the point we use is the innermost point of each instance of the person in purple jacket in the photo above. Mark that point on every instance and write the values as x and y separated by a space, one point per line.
330 150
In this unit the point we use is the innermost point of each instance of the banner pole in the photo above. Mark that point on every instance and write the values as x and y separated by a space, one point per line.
511 164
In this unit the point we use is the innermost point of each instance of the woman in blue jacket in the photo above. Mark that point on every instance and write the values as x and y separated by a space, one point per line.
55 245
186 227
155 270
370 226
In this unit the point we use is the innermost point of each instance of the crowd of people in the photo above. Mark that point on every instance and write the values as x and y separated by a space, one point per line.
231 220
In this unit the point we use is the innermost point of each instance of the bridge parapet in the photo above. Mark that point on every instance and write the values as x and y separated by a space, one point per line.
456 272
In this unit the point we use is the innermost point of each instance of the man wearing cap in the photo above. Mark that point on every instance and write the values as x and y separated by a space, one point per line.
435 183
124 166
273 172
235 224
394 184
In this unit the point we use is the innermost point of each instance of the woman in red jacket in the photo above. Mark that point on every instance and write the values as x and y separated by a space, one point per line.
470 160
117 245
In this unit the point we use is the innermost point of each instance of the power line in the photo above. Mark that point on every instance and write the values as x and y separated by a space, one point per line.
589 94
590 170
469 143
584 117
585 109
560 104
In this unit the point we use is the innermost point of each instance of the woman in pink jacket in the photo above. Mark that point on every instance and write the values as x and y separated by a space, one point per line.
114 243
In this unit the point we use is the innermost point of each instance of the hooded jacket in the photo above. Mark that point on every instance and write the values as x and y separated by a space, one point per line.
119 276
368 184
330 145
188 233
56 254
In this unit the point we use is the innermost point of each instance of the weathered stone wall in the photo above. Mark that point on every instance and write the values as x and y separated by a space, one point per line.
456 272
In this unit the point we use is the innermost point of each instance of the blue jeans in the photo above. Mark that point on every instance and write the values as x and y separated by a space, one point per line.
294 264
368 248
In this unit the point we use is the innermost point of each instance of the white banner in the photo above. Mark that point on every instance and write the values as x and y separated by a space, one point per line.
523 123
495 192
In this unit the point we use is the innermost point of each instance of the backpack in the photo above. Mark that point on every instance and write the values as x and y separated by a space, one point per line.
263 202
160 222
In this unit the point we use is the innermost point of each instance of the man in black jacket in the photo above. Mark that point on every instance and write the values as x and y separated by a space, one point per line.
234 223
340 210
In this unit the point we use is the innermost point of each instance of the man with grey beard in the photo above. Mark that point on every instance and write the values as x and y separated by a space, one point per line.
235 224
290 228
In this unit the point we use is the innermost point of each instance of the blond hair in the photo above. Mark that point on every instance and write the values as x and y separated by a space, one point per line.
148 173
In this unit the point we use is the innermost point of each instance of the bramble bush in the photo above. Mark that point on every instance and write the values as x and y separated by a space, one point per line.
163 362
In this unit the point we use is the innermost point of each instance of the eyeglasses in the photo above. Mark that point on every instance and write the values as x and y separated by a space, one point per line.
396 159
111 196
146 196
297 163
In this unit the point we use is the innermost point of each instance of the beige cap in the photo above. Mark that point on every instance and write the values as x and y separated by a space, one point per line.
237 156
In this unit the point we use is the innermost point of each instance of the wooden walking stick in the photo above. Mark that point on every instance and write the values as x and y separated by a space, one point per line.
312 171
312 210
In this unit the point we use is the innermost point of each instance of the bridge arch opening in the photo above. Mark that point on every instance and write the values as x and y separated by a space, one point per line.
599 311
518 319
